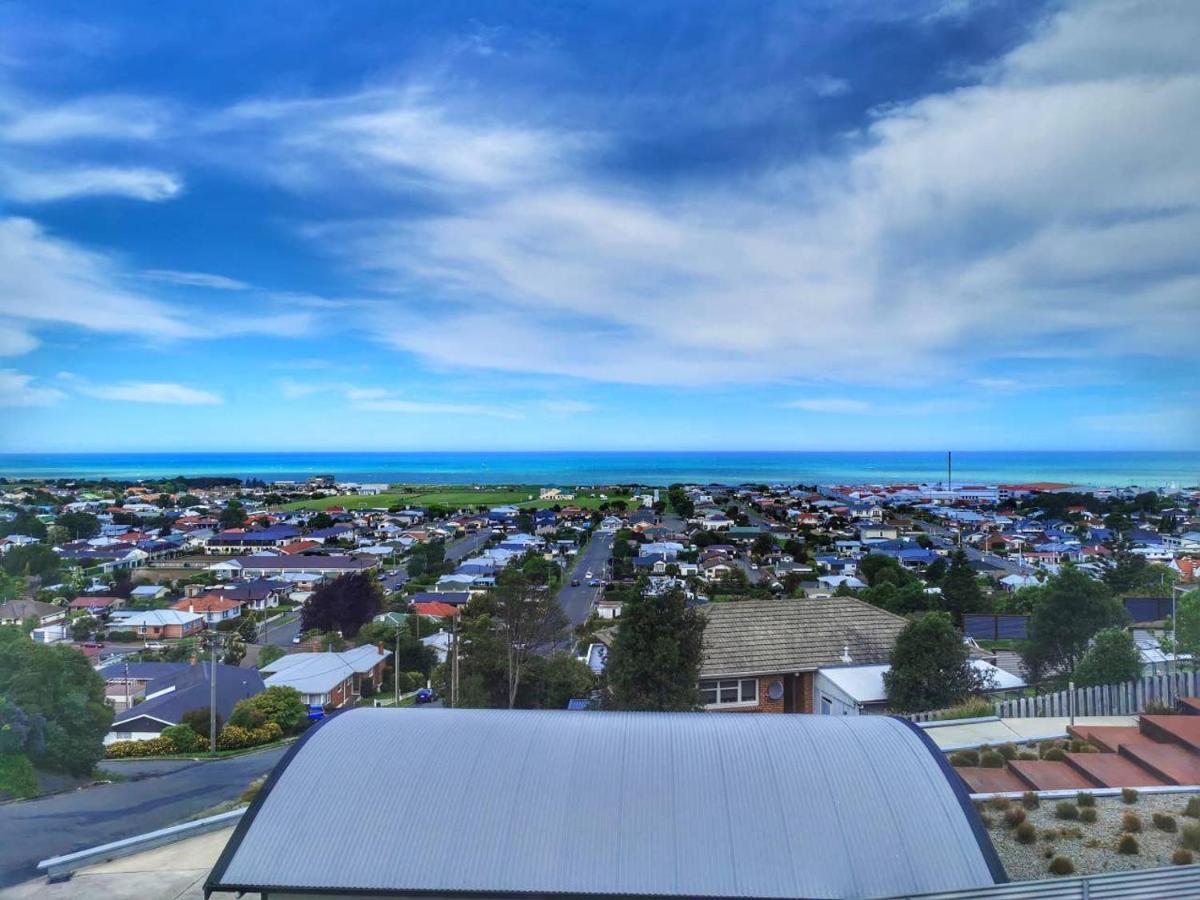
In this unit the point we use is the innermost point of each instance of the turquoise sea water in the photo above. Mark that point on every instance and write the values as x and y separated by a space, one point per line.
1101 468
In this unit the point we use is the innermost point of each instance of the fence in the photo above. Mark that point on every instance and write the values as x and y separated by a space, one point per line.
1125 699
990 627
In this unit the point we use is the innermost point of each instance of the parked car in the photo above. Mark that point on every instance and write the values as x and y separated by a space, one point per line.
426 695
296 639
574 582
595 582
155 645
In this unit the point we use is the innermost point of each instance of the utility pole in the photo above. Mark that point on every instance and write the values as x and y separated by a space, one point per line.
212 698
454 662
127 701
396 667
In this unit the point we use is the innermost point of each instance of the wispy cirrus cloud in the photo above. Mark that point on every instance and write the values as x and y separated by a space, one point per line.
361 398
19 389
160 392
195 279
51 184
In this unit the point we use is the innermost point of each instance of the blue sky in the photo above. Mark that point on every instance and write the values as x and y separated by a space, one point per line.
834 225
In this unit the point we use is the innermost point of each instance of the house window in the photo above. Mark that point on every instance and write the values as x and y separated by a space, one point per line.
730 692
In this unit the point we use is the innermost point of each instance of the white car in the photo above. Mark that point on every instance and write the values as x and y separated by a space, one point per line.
296 639
155 645
588 575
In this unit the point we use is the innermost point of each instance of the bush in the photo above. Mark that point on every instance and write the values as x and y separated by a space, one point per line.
233 737
1027 755
159 746
1128 845
1129 795
1000 804
281 705
1088 814
1065 809
123 637
991 759
198 720
1055 754
1190 837
986 820
1015 816
18 780
1044 746
1026 833
1008 751
1030 800
1060 865
1192 810
1083 798
975 708
1182 857
184 738
1131 822
1164 822
958 758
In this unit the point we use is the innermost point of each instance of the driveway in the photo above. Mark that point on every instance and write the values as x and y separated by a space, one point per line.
160 794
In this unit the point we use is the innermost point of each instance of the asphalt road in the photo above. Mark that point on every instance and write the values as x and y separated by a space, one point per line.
281 635
465 546
577 601
163 794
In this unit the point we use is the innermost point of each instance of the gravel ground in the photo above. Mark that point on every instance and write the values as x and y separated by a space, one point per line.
1092 847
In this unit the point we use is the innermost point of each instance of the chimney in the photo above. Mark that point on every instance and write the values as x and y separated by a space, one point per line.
192 607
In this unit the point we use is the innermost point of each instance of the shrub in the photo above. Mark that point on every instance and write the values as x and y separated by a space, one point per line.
1055 754
975 708
986 820
18 780
1049 834
1030 800
1008 751
1027 755
233 737
1129 795
1065 809
367 688
1192 810
1164 822
1026 833
1127 845
958 758
999 803
1060 865
1131 822
1088 814
1083 798
1015 816
1190 838
281 705
159 746
1044 747
198 719
184 739
990 759
1182 857
123 637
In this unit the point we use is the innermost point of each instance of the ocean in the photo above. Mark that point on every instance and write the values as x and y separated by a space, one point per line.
1150 469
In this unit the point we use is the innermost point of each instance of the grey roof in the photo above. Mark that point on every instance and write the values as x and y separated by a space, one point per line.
320 673
676 804
754 637
192 689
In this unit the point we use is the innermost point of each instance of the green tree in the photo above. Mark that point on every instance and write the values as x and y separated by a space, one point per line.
32 561
878 569
1187 623
960 590
344 604
655 659
26 523
930 666
528 617
320 521
903 600
1069 612
79 525
233 515
936 571
1112 659
58 684
281 705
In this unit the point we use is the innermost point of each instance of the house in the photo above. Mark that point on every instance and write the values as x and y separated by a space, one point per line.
436 610
215 608
274 566
149 697
859 690
241 541
96 606
147 593
329 679
763 655
15 612
160 624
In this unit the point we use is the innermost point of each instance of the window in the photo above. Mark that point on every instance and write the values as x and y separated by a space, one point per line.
731 692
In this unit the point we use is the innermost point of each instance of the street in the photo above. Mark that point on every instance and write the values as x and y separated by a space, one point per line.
577 601
38 829
281 634
465 546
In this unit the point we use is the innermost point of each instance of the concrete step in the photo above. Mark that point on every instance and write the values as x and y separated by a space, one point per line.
1109 737
1182 730
1170 762
1112 770
1047 775
987 781
1190 705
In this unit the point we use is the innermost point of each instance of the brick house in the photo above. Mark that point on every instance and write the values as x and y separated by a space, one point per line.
213 607
762 655
329 679
161 624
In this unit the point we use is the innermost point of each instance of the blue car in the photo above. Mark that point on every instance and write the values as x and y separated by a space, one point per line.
316 712
426 695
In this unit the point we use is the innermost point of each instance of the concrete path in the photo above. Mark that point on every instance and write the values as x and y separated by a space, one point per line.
951 735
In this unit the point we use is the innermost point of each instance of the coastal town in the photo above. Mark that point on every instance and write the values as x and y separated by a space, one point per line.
189 617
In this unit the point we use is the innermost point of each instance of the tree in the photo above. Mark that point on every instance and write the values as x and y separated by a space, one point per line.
1187 624
12 587
268 654
58 684
763 545
1070 610
344 604
199 720
655 660
282 705
185 501
1113 658
903 600
528 617
233 515
878 569
79 525
960 590
26 523
32 561
319 521
936 571
930 667
565 678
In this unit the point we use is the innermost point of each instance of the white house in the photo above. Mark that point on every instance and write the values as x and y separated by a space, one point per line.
858 690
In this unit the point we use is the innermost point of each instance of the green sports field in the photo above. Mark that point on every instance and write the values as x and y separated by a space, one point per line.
454 496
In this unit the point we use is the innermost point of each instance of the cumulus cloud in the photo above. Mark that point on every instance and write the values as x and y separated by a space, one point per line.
19 389
1048 209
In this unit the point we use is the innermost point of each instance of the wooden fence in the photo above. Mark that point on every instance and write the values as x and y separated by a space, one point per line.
1125 699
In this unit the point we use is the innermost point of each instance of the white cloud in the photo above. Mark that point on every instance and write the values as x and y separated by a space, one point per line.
384 400
19 389
567 407
14 341
101 118
826 85
1050 209
195 279
831 405
50 184
162 392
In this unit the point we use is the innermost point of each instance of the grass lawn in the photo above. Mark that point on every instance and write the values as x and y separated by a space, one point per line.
453 497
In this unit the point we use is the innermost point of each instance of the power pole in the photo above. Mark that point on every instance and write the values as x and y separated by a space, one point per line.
454 662
396 666
212 698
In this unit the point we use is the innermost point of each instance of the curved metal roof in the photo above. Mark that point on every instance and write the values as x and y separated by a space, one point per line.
444 802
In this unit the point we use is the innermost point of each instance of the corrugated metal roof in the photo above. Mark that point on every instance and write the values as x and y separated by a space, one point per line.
670 804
